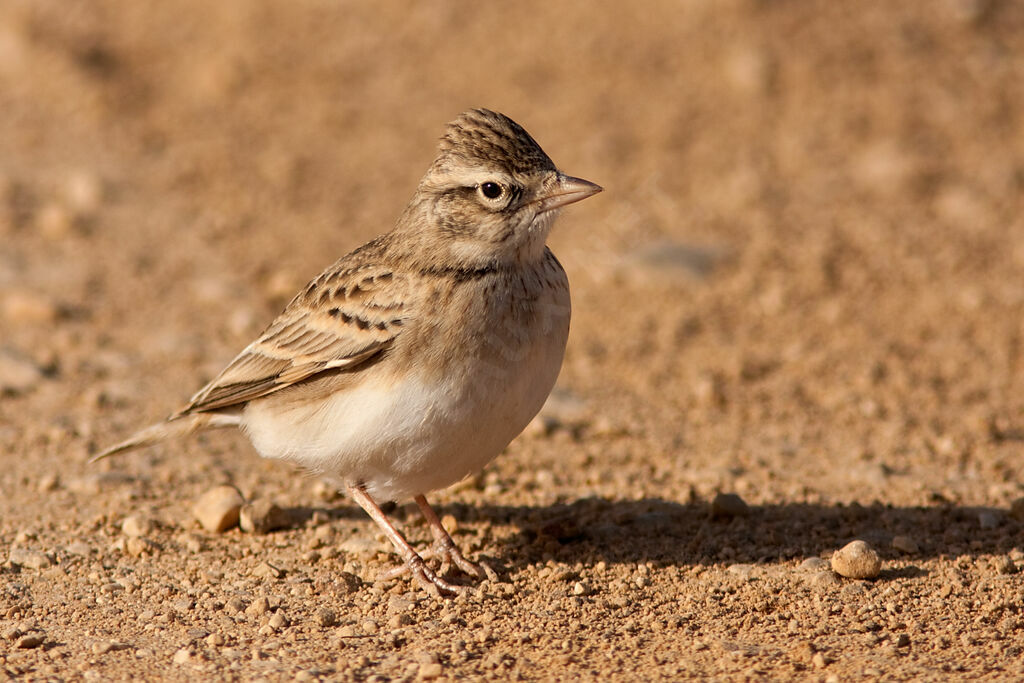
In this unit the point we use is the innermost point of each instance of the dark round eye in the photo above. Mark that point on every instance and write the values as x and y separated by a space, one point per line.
491 190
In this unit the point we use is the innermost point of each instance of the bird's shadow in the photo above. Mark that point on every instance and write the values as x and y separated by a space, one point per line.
685 534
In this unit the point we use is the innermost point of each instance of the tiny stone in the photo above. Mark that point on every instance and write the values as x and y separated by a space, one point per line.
819 660
258 608
1004 565
137 547
33 559
54 221
263 516
265 570
136 526
17 374
905 544
29 641
856 560
80 548
823 579
218 509
429 672
581 588
48 482
191 542
215 640
814 564
102 647
235 605
182 656
278 621
84 191
347 582
326 617
325 491
728 505
399 620
26 308
903 640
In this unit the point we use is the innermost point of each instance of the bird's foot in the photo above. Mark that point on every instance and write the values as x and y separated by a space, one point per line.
424 576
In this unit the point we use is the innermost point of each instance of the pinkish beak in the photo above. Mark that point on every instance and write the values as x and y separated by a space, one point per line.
567 190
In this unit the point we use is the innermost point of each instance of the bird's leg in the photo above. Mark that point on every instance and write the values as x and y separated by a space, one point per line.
445 548
432 583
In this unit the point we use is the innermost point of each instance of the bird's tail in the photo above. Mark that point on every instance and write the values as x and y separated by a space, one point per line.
170 429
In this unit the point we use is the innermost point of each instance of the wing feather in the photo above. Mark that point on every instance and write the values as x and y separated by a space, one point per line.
347 316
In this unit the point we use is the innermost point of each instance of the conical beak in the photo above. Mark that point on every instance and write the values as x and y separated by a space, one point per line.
567 190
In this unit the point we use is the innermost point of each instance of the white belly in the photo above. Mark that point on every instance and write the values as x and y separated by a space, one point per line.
414 435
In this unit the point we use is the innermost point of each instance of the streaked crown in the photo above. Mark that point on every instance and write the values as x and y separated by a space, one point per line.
480 137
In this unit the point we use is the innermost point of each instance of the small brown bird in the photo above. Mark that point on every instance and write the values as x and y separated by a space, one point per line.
414 360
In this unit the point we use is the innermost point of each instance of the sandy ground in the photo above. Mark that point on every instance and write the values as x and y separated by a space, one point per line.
803 285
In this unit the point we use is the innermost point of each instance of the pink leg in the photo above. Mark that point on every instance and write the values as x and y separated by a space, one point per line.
432 583
445 547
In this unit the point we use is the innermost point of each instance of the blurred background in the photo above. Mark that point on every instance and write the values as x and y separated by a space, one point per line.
802 283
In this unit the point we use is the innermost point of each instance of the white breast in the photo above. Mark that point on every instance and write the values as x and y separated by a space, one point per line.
413 434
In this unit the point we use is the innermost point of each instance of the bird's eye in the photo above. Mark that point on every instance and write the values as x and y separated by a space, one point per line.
491 190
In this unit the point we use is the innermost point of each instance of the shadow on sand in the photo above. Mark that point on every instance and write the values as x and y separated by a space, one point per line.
686 534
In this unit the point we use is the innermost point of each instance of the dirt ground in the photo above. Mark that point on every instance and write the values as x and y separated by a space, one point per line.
802 285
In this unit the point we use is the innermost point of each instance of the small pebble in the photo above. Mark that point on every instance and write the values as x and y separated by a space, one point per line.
265 570
814 564
399 620
856 560
22 307
137 547
29 641
429 672
48 482
728 505
905 544
278 621
33 559
80 548
102 647
258 608
823 579
182 656
218 509
135 526
326 617
1004 565
17 374
263 516
84 191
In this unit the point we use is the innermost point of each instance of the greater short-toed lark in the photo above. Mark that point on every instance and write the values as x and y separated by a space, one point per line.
414 360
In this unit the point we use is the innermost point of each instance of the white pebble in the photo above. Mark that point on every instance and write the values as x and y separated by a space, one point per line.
856 560
217 509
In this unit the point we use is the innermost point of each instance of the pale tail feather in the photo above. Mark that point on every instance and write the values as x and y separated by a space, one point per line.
171 429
